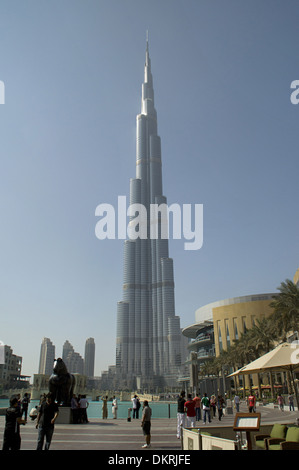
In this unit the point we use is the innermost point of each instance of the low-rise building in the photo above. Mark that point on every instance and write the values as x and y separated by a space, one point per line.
10 371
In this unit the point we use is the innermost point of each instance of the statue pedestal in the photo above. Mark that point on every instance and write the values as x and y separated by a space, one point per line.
65 415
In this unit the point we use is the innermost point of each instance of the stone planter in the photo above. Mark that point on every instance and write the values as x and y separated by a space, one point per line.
191 439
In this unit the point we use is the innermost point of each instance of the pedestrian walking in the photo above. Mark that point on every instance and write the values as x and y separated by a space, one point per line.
25 402
197 402
220 404
13 419
213 402
190 410
181 414
146 423
237 403
280 401
291 402
206 408
46 418
251 402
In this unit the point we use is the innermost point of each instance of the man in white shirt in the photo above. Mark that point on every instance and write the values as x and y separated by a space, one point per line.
83 403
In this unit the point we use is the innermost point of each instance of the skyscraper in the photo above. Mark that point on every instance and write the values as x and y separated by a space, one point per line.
148 331
89 356
67 349
73 360
46 358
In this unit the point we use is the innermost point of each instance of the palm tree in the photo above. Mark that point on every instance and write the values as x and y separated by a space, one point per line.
207 369
245 350
286 308
263 335
286 312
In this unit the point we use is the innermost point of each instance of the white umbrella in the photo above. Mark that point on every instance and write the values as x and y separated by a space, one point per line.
284 357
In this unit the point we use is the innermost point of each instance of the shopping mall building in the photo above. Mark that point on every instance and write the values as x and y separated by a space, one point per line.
217 325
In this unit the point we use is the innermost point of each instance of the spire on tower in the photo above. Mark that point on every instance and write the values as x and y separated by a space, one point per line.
147 60
147 106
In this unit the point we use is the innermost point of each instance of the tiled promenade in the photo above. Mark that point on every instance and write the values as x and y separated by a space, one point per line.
102 435
120 435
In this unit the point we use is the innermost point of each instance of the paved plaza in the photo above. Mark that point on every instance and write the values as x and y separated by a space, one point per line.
121 435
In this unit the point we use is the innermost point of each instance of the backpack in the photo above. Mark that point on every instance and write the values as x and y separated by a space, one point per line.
206 403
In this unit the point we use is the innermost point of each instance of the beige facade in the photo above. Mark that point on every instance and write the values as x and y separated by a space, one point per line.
235 318
229 319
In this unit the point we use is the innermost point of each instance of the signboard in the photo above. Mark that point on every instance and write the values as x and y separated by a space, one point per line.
247 422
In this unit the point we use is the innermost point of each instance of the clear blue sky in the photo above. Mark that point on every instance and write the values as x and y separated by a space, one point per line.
73 71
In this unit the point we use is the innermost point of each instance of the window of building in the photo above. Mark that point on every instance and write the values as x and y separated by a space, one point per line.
227 334
236 329
220 339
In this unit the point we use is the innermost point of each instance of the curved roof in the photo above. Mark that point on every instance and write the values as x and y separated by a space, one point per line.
192 330
204 315
206 312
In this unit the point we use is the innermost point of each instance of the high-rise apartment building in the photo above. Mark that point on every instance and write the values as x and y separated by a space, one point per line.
89 357
47 356
73 361
148 343
67 348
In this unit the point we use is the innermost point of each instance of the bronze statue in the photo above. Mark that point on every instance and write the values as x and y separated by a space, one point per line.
61 383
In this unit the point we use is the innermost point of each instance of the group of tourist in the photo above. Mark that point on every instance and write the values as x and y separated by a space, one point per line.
79 407
189 411
146 415
194 409
135 406
46 416
197 408
105 407
22 405
251 402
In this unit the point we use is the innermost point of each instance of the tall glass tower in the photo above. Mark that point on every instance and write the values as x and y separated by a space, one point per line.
148 343
47 357
89 357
